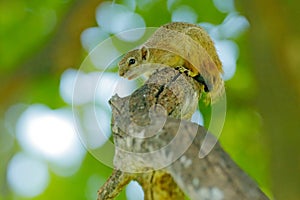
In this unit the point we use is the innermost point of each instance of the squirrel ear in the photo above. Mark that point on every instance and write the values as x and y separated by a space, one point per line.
145 53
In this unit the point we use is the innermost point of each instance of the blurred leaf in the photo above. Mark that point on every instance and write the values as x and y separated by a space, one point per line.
25 26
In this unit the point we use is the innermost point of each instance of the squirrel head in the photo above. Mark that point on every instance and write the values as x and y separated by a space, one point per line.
132 61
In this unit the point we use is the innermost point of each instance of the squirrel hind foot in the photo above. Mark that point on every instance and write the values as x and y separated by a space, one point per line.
193 75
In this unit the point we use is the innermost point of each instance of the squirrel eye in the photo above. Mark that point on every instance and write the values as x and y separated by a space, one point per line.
131 61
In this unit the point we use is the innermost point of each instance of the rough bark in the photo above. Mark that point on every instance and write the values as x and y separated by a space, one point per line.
160 150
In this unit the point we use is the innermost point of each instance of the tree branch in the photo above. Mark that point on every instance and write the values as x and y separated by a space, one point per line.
151 137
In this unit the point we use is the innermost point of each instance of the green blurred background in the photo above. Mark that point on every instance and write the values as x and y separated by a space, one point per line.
43 43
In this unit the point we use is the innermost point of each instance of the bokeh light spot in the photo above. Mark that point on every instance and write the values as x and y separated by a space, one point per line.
92 185
224 6
96 123
104 54
184 14
91 37
228 52
233 25
197 118
134 191
47 132
171 4
50 134
110 84
115 18
78 87
131 4
27 176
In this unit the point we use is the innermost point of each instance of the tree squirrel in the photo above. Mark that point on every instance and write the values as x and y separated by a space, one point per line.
184 46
